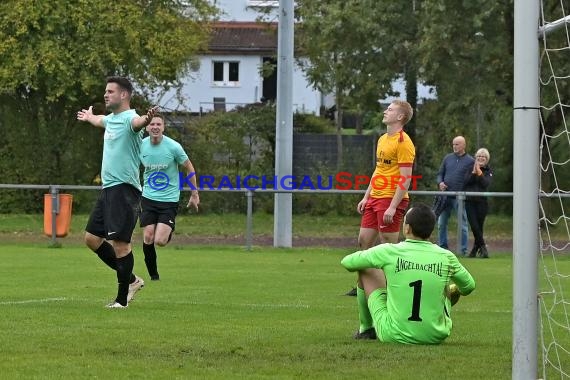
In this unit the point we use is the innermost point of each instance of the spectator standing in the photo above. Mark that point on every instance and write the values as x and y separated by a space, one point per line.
451 177
478 180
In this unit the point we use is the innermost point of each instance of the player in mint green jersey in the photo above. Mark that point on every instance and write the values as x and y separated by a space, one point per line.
403 292
161 156
115 214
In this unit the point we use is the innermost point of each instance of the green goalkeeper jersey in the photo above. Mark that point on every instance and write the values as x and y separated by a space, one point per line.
417 274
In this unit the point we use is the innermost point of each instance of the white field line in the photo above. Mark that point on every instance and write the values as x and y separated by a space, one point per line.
247 305
42 300
197 303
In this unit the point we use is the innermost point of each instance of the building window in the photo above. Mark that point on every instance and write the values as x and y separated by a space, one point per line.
218 71
234 71
220 104
226 74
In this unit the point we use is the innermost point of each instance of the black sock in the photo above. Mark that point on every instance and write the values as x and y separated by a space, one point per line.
107 254
124 272
150 259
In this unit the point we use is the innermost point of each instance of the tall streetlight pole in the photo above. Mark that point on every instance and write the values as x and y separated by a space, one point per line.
283 207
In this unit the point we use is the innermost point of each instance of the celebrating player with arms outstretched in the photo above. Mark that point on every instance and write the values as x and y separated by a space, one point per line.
115 214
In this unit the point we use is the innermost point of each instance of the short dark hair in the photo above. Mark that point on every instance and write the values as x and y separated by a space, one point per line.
421 220
123 82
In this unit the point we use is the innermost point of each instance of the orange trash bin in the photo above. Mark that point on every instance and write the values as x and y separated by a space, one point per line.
63 218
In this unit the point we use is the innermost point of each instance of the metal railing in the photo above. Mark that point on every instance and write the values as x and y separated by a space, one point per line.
54 190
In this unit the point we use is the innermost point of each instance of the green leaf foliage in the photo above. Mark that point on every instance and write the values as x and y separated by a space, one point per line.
462 48
240 143
63 49
55 57
466 51
353 47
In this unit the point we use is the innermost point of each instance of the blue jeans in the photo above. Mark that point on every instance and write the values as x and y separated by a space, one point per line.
442 226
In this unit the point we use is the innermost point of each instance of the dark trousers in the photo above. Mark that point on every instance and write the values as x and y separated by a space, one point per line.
476 213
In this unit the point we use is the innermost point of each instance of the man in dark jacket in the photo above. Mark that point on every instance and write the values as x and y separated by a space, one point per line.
451 177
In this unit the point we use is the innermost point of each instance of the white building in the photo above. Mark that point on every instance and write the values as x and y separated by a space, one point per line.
230 72
246 10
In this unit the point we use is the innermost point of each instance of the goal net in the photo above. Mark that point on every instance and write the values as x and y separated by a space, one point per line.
554 199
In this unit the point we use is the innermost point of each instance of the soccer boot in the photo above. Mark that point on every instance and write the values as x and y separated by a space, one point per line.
134 287
116 305
351 292
369 334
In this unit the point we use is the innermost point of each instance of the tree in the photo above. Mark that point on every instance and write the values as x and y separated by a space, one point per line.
349 50
55 57
352 49
466 52
463 49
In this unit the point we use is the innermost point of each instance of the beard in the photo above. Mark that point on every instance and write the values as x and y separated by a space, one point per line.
111 106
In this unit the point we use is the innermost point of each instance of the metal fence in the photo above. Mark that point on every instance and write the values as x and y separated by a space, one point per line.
55 190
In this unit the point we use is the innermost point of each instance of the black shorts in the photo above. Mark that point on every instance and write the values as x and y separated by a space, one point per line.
115 214
154 212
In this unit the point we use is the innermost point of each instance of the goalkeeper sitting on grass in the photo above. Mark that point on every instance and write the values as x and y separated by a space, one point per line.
423 280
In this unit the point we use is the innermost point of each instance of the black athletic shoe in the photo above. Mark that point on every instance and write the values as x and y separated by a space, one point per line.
351 292
367 334
474 251
483 253
155 277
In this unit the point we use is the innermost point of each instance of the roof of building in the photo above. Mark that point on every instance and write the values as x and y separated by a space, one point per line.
243 38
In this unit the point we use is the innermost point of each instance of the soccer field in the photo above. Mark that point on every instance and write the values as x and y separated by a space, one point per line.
223 313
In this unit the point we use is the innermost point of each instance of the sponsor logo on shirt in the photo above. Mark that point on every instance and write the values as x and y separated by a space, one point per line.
403 265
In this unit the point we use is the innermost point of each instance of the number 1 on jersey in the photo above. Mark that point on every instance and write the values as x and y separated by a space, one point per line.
417 285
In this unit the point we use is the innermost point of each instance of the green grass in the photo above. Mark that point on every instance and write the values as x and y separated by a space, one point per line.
224 313
498 226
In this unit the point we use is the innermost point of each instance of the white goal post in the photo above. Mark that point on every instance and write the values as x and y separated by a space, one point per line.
529 30
525 190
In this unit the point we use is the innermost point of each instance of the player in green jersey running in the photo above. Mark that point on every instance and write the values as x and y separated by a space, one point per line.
161 156
403 292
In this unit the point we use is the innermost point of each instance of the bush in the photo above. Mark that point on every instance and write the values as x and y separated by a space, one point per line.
242 142
308 123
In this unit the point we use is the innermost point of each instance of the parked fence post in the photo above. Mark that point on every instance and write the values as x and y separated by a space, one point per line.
249 220
460 212
54 191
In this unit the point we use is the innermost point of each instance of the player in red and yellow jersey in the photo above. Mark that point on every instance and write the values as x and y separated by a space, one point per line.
386 199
